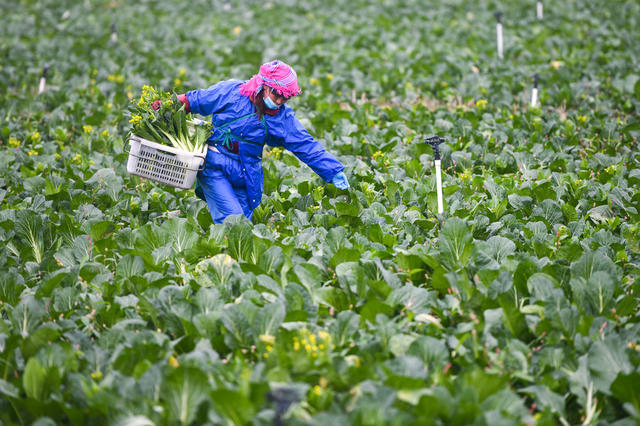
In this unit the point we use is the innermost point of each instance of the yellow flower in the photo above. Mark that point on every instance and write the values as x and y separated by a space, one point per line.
329 76
77 158
35 136
135 119
97 375
481 103
87 129
611 169
105 133
317 390
378 154
444 84
177 82
237 30
117 78
149 92
314 81
182 72
274 152
556 64
582 119
173 361
267 339
32 152
13 142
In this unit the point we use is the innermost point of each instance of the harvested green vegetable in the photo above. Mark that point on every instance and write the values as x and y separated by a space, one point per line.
159 117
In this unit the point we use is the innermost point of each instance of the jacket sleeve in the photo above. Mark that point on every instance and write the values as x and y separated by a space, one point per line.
211 100
298 140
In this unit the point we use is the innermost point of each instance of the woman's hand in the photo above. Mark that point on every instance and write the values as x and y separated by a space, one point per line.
181 98
184 101
340 181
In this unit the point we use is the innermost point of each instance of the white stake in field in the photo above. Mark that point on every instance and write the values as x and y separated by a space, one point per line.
539 10
43 79
534 92
114 33
499 34
435 142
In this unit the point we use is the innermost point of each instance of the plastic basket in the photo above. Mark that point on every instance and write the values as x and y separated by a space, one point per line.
163 164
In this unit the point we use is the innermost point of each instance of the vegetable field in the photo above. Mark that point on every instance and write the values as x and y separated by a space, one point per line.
122 303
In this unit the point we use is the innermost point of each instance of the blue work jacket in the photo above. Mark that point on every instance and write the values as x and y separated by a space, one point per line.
225 102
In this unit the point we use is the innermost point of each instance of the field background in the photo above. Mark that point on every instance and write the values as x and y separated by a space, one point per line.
121 303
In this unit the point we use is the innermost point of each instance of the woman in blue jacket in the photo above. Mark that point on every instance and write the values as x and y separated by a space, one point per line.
247 115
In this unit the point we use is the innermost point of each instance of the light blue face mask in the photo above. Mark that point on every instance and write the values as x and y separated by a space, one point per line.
270 104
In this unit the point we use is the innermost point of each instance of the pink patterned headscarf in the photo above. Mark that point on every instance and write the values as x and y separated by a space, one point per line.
275 74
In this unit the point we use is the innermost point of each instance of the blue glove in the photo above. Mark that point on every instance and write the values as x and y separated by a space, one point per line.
340 181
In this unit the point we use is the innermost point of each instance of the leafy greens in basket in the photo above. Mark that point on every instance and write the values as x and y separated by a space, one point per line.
159 117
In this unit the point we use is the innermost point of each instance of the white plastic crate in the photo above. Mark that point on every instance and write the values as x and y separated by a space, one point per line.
164 164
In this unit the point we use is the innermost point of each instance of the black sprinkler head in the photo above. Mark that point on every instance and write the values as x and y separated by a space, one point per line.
435 142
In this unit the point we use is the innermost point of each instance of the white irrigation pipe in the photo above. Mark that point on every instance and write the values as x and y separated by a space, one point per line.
534 92
499 34
439 187
43 79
